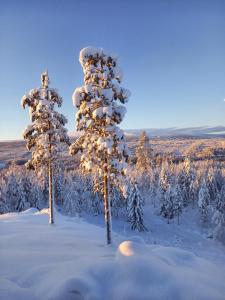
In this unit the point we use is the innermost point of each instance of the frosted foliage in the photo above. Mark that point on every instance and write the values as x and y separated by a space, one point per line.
204 201
100 103
219 215
46 133
143 153
177 199
135 211
167 208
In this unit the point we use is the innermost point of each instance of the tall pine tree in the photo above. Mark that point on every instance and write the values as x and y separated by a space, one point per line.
99 111
46 132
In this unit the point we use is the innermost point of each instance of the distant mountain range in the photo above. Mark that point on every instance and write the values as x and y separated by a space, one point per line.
204 131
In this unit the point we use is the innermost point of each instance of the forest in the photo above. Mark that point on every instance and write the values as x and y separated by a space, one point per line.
114 178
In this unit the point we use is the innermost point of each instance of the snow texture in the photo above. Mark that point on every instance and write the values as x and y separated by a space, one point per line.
70 261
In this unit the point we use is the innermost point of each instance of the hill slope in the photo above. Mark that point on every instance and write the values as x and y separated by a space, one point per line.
70 261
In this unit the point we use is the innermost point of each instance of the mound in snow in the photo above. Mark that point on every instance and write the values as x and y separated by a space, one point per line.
70 261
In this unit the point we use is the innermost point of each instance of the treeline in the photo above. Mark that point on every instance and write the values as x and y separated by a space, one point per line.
169 188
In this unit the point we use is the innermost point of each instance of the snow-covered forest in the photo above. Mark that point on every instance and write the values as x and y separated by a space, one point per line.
168 189
148 199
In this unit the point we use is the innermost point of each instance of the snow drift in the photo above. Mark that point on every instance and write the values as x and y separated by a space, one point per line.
69 260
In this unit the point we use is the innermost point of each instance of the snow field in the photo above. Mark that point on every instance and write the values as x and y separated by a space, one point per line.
69 260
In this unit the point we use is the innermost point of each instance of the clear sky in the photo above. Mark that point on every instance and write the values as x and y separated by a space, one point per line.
172 54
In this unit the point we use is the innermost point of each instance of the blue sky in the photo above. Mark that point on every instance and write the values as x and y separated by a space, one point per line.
172 54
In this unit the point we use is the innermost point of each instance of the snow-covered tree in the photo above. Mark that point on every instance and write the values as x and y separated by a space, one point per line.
3 205
44 186
219 215
163 184
163 179
134 208
27 187
92 200
21 203
46 132
185 177
177 202
153 185
203 202
218 176
14 194
144 164
96 203
211 183
37 197
193 191
118 204
12 191
167 207
143 153
98 101
71 202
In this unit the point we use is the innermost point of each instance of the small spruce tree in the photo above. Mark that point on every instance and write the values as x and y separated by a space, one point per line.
203 202
135 210
167 208
177 201
21 201
12 192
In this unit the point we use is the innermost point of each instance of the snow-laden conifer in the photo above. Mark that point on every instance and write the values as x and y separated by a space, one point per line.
167 207
3 204
100 109
21 201
203 202
143 153
218 217
163 182
177 201
185 178
71 201
212 185
135 210
12 192
46 133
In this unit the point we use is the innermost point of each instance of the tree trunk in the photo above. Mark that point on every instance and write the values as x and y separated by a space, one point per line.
107 204
51 216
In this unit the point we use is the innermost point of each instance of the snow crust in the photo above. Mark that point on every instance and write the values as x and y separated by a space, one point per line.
69 260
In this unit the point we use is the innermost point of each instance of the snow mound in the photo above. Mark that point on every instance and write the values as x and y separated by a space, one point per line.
70 261
10 291
132 247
